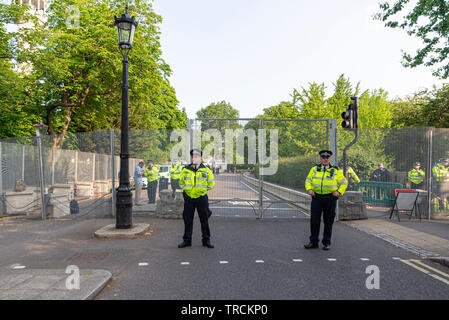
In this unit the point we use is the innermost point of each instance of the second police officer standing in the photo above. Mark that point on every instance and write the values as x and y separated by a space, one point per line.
325 183
195 180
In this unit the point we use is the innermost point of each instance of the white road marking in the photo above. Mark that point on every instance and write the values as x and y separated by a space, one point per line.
185 263
259 261
364 259
17 266
396 258
331 259
142 264
223 262
297 260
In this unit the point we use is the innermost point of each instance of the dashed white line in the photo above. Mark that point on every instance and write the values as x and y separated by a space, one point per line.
260 261
17 266
331 259
143 264
184 263
223 262
296 260
364 259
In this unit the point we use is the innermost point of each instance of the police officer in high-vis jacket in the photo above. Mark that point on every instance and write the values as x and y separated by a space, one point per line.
175 172
416 176
152 175
325 183
195 180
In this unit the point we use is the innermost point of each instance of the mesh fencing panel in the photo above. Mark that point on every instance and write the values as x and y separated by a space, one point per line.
80 165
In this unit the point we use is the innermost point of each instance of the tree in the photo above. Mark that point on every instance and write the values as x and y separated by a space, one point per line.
222 110
427 20
73 71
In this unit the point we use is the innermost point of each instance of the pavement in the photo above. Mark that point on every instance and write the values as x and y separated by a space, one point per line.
428 239
51 284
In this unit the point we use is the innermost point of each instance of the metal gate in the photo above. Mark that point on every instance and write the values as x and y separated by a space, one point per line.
260 165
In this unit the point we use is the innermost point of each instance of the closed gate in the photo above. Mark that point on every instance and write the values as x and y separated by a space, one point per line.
260 165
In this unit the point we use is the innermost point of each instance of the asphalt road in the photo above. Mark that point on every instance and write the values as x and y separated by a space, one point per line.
252 259
152 267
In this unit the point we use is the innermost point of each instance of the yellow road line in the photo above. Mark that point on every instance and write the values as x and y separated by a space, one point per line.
408 262
430 268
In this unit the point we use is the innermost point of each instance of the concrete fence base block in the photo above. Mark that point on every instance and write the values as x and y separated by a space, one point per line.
351 206
169 207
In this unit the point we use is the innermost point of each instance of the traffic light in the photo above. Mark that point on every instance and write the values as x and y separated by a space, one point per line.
347 119
351 115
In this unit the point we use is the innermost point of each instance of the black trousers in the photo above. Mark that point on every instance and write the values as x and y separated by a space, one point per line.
325 205
416 186
201 204
174 185
151 191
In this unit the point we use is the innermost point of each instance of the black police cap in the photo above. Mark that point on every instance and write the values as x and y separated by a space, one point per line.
196 151
325 153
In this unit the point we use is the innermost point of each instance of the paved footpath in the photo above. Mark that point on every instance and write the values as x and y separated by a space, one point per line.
427 239
17 283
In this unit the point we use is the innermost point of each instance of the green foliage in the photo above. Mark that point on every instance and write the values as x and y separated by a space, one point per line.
223 110
427 20
73 75
429 108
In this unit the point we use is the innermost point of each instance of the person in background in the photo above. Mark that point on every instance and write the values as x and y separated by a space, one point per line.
416 176
381 174
152 174
351 176
138 173
175 173
440 173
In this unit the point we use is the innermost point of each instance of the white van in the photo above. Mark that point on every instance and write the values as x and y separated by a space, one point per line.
164 171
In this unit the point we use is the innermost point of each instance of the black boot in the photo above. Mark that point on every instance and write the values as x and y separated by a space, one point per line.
207 243
311 245
184 244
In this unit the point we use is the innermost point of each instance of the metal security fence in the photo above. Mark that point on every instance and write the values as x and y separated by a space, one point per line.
259 165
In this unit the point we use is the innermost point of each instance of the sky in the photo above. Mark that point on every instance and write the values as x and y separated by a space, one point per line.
253 53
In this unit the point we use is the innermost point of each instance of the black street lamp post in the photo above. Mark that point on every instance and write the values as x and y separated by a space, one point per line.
126 25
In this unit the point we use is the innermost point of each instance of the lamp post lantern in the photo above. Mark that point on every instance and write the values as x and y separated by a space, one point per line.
126 25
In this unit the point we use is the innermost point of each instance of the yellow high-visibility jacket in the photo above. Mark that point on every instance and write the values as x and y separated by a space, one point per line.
152 174
196 183
350 174
440 173
325 181
175 171
416 176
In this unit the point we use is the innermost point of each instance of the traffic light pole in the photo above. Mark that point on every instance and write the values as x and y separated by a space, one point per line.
347 147
351 121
